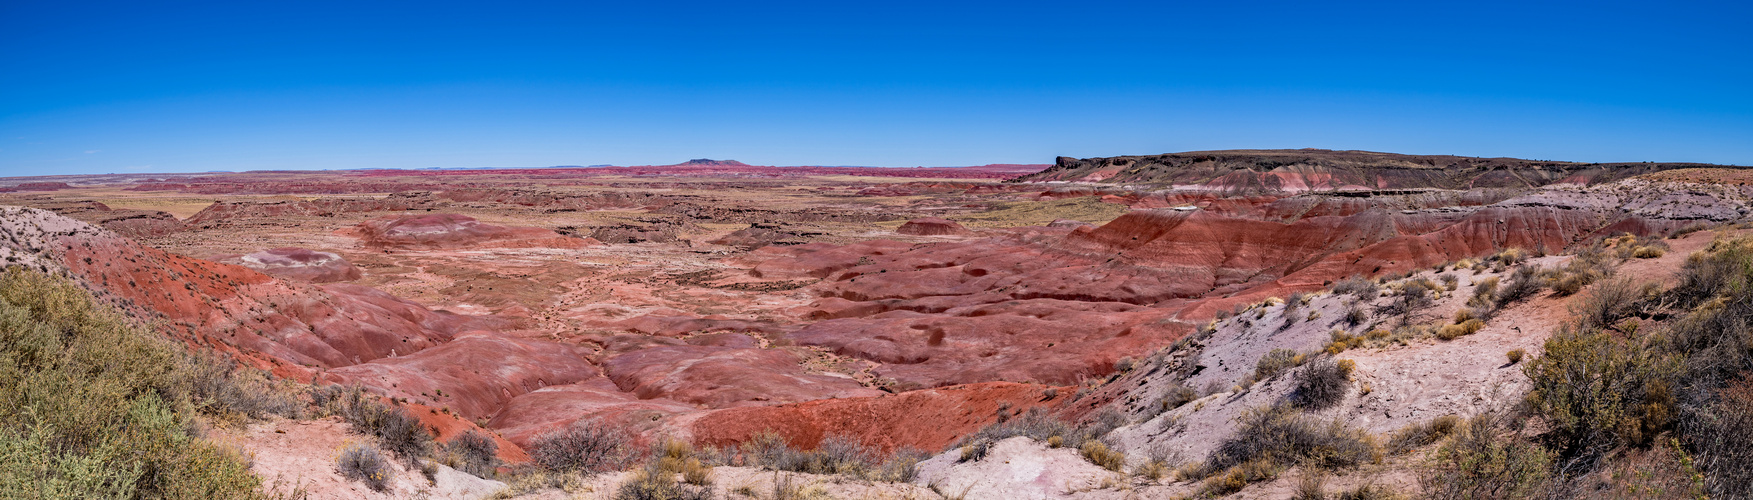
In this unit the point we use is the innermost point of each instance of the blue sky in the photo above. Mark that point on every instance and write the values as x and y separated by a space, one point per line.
184 87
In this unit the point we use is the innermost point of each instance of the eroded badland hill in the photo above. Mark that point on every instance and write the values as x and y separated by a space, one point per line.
1257 324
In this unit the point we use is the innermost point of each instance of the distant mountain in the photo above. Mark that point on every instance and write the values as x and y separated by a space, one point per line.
707 162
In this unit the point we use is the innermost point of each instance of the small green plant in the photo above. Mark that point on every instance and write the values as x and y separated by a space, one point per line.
1477 463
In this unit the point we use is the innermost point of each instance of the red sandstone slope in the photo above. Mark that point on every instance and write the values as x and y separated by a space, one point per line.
1301 170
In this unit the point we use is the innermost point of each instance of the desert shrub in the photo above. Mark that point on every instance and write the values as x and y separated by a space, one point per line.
844 455
1484 293
1036 424
1598 391
1413 296
1719 268
221 388
1722 435
1357 286
1450 281
1281 436
472 452
1586 267
1606 304
1355 314
585 446
653 483
1321 384
396 429
1100 454
1125 364
1523 283
93 405
1276 361
1515 356
362 462
1478 463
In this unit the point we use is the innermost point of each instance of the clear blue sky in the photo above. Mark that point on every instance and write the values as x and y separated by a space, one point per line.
180 87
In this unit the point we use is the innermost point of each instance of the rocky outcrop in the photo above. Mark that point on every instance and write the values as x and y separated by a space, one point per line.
298 264
1305 170
453 231
721 377
931 226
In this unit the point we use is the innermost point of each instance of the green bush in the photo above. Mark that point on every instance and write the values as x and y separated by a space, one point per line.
1598 391
1478 463
94 406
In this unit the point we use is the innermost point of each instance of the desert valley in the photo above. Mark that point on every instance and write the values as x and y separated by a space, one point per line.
1234 324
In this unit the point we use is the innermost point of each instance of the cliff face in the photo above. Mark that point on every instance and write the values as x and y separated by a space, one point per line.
1301 170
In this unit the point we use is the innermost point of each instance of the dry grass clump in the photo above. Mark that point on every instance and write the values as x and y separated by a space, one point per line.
362 462
1274 362
1452 332
1515 356
585 446
1418 435
1357 286
1509 256
1098 453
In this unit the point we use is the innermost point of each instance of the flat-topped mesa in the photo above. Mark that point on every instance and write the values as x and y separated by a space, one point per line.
1303 170
452 231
